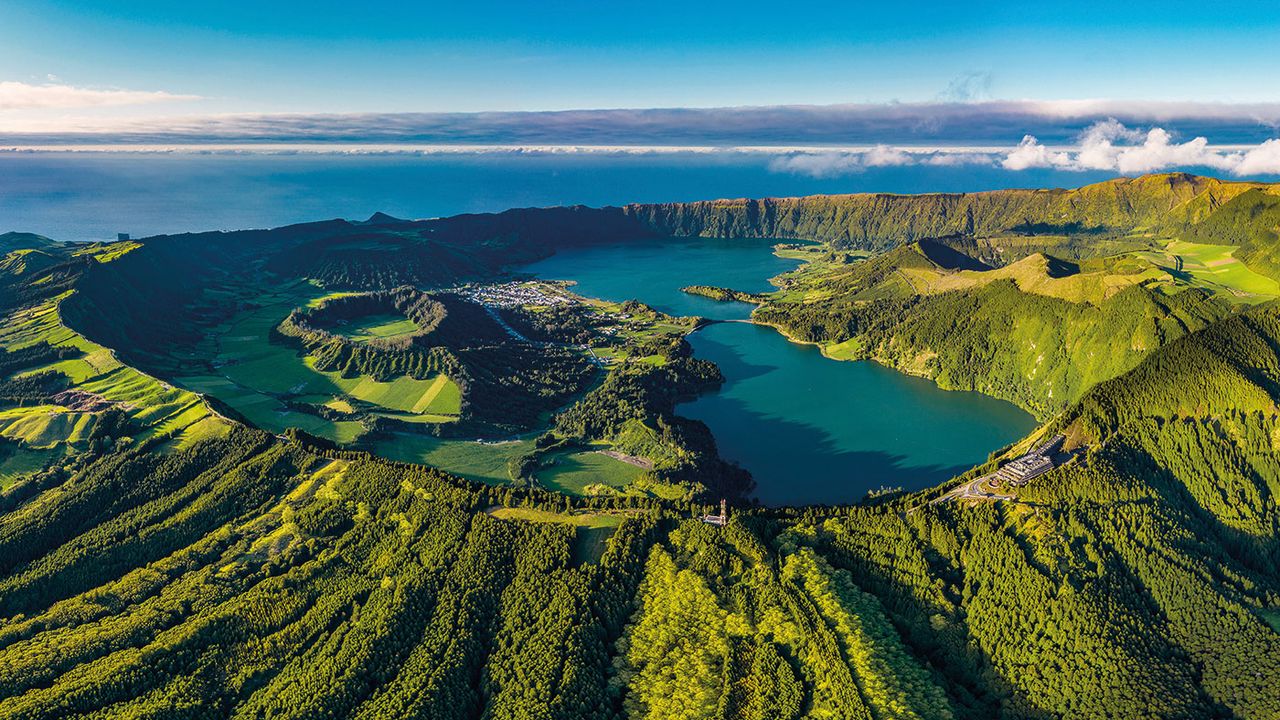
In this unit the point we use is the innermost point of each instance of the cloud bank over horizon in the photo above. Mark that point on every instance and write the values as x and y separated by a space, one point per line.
1126 137
1107 145
867 124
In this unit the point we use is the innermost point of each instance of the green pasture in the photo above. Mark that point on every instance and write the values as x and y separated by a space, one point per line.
1215 267
848 350
378 326
584 519
591 530
269 413
572 472
23 461
1272 617
482 462
46 426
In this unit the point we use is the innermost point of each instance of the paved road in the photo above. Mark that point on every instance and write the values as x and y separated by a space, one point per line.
976 489
510 330
595 359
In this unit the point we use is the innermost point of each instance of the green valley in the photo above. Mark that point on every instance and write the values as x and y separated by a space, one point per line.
380 469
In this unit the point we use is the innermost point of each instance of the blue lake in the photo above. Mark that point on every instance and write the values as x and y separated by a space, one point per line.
810 429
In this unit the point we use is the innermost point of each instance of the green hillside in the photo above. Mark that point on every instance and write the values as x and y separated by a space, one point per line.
18 241
217 499
1100 212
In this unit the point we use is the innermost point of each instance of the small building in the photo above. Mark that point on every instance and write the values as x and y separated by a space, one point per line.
718 520
122 236
1032 465
1020 471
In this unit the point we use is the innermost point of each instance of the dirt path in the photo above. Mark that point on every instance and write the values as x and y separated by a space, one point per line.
628 459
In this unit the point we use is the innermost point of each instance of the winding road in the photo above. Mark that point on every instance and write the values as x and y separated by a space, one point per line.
975 489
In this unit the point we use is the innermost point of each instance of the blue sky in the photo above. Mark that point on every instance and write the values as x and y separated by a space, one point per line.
1127 87
467 56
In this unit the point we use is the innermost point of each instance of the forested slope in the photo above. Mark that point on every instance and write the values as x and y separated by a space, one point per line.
1038 351
151 571
252 577
256 577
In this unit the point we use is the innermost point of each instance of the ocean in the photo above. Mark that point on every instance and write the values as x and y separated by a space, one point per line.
95 195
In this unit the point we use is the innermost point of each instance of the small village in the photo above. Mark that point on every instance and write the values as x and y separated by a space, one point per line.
513 294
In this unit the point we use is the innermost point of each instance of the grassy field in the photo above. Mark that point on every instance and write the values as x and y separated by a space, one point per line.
378 326
584 519
847 350
23 461
1272 616
482 462
254 372
1215 266
154 405
572 472
46 426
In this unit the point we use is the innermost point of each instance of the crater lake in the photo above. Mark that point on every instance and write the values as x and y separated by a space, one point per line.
808 428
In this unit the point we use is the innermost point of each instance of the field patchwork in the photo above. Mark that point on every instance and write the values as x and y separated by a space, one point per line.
480 461
1216 265
257 375
156 406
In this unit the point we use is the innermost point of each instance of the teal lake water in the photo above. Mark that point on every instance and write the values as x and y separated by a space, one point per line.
810 429
654 272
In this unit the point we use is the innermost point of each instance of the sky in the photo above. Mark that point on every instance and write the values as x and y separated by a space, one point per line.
852 74
326 56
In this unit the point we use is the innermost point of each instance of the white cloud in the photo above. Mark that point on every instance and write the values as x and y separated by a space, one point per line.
1261 160
1158 152
1110 145
25 96
885 156
1097 144
833 163
954 158
1031 154
818 165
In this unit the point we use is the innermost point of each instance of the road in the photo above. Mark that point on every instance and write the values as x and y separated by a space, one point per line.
510 330
595 359
975 489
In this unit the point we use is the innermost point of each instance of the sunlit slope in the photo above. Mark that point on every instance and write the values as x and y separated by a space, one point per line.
1071 287
239 574
880 221
263 578
1038 332
155 407
61 394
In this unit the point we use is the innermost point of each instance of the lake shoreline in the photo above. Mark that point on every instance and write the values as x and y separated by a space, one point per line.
809 430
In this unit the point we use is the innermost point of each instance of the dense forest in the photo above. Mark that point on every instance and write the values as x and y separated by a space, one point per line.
169 560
